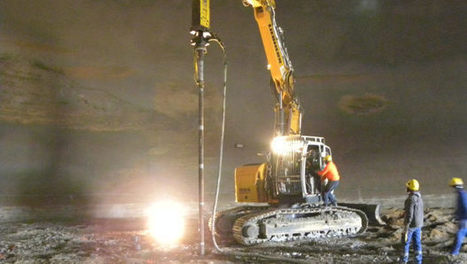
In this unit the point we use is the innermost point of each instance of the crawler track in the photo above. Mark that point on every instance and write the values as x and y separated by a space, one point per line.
226 219
280 225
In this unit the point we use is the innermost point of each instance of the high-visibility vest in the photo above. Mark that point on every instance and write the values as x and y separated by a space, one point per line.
330 172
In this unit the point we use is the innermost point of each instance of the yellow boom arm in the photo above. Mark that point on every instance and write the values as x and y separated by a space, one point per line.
288 114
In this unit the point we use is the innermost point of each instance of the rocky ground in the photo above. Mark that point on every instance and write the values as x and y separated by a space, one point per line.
126 241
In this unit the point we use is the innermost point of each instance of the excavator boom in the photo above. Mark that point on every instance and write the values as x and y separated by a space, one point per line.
288 112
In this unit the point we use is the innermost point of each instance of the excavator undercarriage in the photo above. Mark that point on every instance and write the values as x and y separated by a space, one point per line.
250 225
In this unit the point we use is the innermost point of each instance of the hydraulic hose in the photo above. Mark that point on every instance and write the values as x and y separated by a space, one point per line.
221 147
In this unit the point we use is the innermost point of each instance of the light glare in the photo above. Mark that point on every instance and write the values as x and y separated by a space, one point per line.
166 222
282 145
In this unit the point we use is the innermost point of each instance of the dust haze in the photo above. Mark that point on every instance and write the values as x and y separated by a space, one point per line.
97 98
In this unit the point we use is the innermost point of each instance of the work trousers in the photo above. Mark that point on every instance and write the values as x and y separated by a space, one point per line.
415 235
461 233
328 194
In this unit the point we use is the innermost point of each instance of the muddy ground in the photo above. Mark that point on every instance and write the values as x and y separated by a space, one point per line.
126 241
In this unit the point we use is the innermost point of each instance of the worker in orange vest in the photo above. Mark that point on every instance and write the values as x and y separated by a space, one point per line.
332 175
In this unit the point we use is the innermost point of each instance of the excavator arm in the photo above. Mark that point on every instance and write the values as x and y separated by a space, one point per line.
288 112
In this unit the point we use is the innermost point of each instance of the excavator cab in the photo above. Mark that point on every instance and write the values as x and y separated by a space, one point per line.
286 160
294 163
289 176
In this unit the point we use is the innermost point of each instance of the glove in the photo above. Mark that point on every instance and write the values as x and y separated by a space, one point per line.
405 236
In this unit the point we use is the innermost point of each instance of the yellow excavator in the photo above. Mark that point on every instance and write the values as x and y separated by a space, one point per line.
282 194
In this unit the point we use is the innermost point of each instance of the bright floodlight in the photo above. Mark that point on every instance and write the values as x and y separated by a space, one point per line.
166 222
283 145
279 145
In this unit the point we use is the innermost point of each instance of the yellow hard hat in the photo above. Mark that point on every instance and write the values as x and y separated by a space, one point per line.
413 185
456 182
328 158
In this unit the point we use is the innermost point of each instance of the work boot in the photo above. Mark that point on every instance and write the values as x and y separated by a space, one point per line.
334 204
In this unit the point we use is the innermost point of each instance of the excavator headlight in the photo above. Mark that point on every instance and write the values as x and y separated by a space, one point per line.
283 145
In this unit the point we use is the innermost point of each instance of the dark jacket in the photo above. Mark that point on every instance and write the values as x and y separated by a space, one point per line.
414 210
461 208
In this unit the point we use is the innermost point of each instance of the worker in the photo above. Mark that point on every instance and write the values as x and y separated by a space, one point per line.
413 221
461 213
330 174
